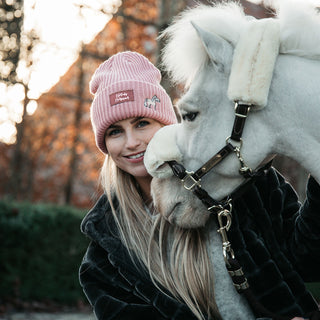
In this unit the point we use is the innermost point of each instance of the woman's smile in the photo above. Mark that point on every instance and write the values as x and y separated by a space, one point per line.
137 156
127 141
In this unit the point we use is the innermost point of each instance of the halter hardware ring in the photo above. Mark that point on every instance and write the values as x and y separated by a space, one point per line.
228 139
241 115
189 181
220 207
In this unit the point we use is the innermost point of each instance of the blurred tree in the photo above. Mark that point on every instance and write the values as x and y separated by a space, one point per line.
16 50
21 156
11 19
258 10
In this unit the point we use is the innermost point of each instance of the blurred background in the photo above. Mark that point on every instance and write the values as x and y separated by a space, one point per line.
49 164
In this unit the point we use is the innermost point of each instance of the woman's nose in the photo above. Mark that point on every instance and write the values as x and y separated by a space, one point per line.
132 141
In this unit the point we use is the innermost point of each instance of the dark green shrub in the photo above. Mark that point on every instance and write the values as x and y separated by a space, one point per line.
41 248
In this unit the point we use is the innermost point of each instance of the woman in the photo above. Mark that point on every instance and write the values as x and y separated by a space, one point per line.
128 108
137 265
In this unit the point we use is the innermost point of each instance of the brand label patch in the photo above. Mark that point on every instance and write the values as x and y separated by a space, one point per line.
121 96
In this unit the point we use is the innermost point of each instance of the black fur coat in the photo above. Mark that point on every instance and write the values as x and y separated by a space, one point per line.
276 241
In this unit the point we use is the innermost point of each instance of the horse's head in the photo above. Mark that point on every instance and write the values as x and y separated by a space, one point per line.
201 52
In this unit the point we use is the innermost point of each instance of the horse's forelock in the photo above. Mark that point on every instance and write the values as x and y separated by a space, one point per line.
184 55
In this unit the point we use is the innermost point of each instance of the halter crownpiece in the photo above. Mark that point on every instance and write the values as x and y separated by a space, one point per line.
253 63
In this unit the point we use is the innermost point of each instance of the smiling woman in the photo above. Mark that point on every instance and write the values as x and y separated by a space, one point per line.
126 142
129 107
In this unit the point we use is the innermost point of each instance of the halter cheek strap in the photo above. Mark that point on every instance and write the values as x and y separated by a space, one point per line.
241 113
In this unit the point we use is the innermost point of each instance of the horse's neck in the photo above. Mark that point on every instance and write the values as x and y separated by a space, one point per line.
295 106
295 90
297 78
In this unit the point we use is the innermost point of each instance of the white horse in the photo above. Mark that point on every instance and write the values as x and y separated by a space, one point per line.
223 56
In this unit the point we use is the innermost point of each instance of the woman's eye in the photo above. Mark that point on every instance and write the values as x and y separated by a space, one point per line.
143 123
113 132
190 116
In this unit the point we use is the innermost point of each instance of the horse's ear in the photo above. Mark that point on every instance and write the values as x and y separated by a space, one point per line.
219 50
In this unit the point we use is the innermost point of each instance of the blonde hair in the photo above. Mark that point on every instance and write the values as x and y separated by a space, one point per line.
176 258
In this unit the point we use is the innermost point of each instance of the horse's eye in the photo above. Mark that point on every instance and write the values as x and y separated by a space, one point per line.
190 116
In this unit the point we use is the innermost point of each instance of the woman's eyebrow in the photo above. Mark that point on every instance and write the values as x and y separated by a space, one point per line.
136 119
113 126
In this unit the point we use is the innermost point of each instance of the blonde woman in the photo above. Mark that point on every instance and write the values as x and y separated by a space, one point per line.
114 272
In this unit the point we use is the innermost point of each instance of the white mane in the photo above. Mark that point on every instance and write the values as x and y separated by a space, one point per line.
184 54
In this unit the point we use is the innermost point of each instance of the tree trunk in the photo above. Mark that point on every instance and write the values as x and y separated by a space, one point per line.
77 119
17 163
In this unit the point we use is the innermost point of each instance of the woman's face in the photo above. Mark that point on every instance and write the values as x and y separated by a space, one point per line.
126 142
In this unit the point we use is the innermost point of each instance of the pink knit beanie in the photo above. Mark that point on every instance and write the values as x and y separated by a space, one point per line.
127 85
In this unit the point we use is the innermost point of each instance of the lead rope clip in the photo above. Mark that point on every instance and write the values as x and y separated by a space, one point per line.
238 278
225 220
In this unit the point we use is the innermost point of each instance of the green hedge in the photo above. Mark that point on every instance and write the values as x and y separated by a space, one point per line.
41 248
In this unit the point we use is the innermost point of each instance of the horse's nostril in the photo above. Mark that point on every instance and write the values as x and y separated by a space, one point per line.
162 166
172 214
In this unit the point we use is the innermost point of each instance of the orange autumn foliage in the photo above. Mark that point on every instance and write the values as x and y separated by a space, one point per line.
60 160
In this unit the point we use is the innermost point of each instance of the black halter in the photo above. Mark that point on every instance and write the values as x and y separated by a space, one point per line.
192 180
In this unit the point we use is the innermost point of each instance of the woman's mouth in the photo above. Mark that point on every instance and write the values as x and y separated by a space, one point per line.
136 157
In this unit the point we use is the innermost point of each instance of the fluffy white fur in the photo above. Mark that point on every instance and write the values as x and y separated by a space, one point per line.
299 27
184 54
161 150
253 62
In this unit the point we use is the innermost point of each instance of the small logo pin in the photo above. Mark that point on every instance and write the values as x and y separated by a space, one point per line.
151 103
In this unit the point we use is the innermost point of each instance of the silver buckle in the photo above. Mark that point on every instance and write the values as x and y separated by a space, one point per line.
189 182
